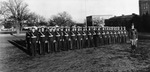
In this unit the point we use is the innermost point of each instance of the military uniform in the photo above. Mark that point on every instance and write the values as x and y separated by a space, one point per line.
69 39
42 39
66 39
85 37
125 34
73 38
79 38
100 38
54 39
76 38
95 37
90 38
133 35
28 40
108 36
104 36
33 46
57 32
116 36
119 36
46 42
62 38
112 36
50 39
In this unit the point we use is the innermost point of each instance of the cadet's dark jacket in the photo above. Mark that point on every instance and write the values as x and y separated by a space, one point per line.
133 34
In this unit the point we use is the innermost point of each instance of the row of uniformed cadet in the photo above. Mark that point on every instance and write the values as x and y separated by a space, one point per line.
54 39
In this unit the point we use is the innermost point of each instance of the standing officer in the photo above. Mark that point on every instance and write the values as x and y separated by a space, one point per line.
69 39
112 35
78 38
108 35
125 34
47 42
85 37
57 32
73 37
100 38
133 35
92 36
42 40
28 39
66 39
116 36
61 38
121 34
49 35
89 37
33 46
95 37
82 36
54 39
39 42
104 36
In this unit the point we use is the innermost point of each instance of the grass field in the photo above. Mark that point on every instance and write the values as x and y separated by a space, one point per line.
108 58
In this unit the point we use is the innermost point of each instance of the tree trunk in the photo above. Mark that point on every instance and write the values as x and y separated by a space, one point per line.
18 27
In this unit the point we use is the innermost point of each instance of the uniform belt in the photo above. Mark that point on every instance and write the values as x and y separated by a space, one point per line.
54 41
69 39
33 37
86 38
50 36
58 35
46 41
43 36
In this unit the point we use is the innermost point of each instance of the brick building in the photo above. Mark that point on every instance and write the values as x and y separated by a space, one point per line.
144 7
97 20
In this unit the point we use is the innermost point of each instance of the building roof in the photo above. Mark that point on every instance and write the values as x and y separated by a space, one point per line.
123 17
144 0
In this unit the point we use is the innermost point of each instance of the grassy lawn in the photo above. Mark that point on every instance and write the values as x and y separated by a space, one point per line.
108 58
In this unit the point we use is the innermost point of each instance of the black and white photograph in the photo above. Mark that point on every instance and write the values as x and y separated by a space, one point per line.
74 35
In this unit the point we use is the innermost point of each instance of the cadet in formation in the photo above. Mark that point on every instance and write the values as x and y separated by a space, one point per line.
55 39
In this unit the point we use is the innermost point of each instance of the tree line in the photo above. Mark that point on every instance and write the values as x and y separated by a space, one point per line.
16 13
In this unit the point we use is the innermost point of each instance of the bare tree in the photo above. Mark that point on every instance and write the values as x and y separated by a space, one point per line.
18 9
4 14
61 19
35 19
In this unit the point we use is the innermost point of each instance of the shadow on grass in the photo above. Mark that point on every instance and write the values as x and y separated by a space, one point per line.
18 45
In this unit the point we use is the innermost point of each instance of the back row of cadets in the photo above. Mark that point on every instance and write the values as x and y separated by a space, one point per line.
55 39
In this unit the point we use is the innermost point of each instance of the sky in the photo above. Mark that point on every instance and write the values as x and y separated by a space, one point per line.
79 9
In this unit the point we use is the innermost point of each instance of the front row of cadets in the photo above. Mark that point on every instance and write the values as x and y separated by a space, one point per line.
55 39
